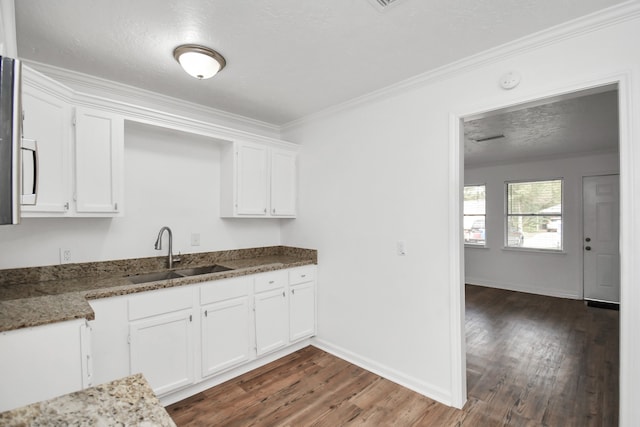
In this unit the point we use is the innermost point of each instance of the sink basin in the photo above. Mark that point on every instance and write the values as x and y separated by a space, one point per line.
202 270
153 277
166 275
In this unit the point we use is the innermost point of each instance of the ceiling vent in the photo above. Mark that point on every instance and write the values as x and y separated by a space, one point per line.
383 5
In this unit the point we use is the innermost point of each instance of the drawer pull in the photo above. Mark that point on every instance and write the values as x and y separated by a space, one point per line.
271 282
303 275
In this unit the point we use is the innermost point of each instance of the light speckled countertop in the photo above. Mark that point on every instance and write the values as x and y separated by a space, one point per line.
42 295
128 401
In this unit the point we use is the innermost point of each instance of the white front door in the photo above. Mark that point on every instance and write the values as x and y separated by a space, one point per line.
601 212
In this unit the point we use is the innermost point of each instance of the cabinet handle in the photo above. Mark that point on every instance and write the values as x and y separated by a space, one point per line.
303 275
274 210
293 291
283 294
66 206
265 210
271 282
115 207
205 313
190 318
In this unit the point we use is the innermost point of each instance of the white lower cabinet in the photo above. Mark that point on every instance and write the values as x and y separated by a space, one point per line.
225 324
161 332
272 329
302 303
179 337
162 349
302 316
271 311
43 362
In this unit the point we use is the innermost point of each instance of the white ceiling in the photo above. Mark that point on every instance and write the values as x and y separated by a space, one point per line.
579 123
286 59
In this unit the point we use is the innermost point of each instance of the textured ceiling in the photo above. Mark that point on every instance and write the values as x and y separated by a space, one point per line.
285 58
582 124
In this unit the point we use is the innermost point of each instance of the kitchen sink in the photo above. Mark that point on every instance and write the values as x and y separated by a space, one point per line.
202 270
176 274
154 277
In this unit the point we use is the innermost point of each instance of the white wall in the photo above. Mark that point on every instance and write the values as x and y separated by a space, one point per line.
554 274
171 178
379 170
8 46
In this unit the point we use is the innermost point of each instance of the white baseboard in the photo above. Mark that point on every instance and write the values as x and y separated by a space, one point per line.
428 390
523 288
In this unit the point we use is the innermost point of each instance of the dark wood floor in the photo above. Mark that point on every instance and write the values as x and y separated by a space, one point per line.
531 361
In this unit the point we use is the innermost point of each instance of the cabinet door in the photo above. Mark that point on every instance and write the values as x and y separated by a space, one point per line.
225 335
302 311
40 363
271 317
161 347
99 147
252 182
283 182
47 120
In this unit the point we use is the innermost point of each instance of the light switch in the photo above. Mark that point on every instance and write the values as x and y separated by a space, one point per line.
195 239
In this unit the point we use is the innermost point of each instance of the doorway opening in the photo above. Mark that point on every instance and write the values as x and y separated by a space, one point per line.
564 138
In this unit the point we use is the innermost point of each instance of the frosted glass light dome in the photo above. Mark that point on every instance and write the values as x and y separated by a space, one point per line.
199 61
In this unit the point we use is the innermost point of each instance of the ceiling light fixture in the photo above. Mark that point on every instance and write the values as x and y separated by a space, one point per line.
199 61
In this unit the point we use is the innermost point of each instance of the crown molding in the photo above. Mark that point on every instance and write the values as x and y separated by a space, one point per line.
92 85
136 112
614 15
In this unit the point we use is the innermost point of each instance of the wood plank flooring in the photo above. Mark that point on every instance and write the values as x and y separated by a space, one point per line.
531 361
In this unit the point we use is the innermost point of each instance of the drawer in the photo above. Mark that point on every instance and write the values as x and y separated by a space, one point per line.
221 290
302 274
271 280
162 301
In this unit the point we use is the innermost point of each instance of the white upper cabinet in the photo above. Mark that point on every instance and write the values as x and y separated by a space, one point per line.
47 120
79 152
99 147
283 182
252 183
258 181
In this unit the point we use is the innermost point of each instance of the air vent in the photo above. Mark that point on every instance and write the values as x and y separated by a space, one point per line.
383 5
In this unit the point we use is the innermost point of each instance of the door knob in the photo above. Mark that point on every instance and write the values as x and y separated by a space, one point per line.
588 239
587 248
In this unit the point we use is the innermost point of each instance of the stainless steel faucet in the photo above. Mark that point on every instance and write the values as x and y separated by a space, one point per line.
158 245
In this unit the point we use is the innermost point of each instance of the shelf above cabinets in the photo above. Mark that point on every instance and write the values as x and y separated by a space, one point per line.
258 181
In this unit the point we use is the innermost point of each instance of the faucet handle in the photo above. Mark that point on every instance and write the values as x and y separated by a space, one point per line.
177 258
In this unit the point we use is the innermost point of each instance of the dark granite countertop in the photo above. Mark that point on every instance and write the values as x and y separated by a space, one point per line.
41 295
128 401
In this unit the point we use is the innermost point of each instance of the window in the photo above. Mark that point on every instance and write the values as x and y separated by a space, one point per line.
474 214
534 214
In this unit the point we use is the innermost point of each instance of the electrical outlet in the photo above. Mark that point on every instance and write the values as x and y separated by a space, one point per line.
195 239
65 256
